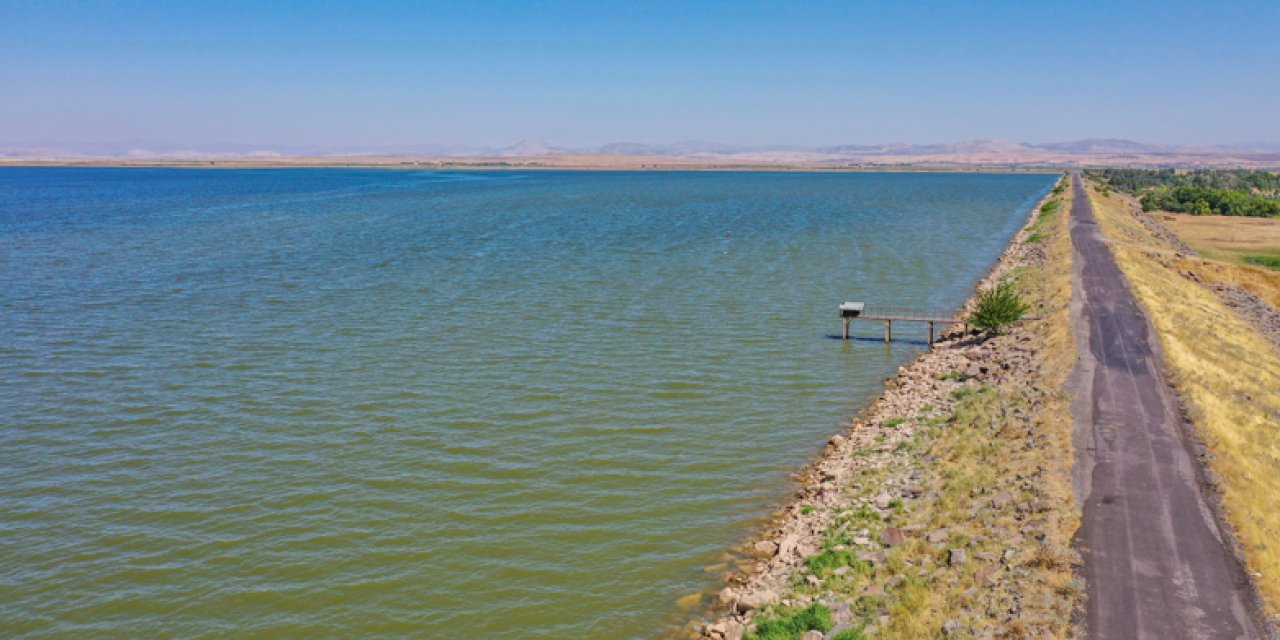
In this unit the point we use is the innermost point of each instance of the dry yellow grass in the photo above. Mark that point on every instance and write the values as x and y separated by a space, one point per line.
1261 282
1229 231
1228 376
1229 238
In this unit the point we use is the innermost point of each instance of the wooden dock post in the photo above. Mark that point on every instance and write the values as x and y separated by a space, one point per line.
849 311
888 331
930 332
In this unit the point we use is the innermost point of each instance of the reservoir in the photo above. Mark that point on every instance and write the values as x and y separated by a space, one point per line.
300 403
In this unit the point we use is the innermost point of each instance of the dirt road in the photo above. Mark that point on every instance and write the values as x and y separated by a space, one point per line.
1154 560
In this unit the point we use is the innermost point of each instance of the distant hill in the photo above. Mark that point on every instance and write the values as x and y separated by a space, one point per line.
1105 145
986 146
1092 145
683 148
527 149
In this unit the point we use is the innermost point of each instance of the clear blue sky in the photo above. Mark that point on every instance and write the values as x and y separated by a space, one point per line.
583 73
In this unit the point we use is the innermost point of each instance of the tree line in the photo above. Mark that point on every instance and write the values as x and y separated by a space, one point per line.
1226 192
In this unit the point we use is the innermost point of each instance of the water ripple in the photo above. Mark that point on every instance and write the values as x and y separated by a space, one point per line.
321 403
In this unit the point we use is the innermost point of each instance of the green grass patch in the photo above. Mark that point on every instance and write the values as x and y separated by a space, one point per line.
806 509
934 422
893 422
864 514
850 634
954 375
1268 260
829 560
790 624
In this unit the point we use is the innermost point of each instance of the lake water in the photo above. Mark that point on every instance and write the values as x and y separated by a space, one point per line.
378 403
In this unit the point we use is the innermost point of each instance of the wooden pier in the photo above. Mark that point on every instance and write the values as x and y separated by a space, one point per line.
850 311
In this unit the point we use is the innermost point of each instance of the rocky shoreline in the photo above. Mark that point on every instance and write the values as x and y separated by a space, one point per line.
876 445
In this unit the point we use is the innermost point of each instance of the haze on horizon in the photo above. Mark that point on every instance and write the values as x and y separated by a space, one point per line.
578 74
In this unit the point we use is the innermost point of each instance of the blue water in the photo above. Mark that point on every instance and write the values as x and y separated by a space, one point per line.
379 403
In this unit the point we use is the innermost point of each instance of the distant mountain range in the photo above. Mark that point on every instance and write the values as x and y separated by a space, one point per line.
152 149
1087 146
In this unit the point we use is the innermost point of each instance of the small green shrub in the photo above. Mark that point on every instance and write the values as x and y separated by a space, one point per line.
954 375
893 422
997 308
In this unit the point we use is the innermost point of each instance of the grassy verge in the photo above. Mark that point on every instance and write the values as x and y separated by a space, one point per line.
1225 373
1045 219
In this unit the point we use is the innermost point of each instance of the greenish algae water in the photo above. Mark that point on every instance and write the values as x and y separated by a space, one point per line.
359 403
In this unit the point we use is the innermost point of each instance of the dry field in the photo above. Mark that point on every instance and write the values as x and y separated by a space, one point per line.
1226 373
1229 238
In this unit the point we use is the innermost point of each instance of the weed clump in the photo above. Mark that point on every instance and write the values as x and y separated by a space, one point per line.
850 634
830 560
791 624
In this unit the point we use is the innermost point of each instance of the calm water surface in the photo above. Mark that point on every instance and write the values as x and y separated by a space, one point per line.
358 403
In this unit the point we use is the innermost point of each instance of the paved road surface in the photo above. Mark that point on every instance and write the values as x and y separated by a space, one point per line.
1153 560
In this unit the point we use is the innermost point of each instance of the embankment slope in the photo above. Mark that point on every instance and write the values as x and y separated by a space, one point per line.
947 508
